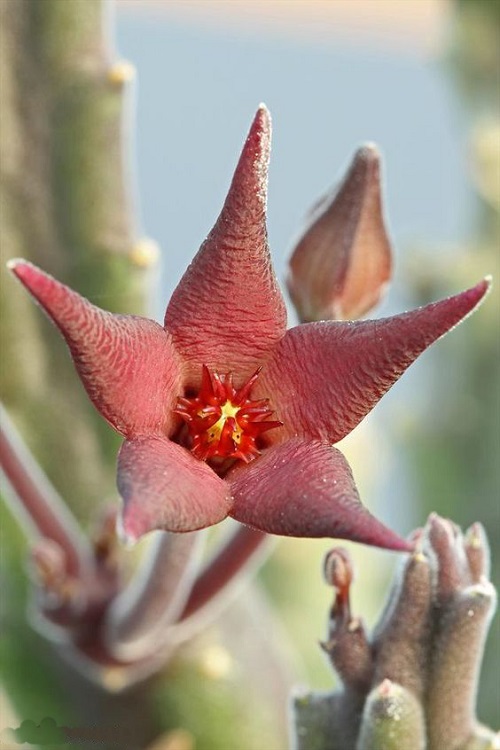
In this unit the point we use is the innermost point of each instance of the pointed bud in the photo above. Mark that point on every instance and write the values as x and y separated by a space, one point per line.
342 263
338 569
339 573
347 647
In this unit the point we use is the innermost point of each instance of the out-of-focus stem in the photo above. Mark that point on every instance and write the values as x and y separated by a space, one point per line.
66 205
42 511
139 618
244 546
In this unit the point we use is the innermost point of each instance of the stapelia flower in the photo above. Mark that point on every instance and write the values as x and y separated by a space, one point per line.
224 411
341 264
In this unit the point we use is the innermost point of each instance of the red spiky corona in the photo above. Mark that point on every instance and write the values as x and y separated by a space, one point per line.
224 422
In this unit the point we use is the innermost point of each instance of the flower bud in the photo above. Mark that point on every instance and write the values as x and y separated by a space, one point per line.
342 263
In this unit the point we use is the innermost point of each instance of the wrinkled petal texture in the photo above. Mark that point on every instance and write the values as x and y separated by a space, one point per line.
342 263
227 311
165 487
127 364
305 488
325 377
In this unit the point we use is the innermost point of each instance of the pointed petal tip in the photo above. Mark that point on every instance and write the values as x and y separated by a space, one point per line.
488 282
249 184
126 535
258 142
404 545
234 256
383 537
28 273
475 296
305 488
368 151
14 262
21 268
262 118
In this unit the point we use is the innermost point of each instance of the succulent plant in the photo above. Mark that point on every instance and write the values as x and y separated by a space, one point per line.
412 683
224 412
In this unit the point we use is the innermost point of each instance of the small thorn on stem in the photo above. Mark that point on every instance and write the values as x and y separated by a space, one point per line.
121 72
385 688
144 253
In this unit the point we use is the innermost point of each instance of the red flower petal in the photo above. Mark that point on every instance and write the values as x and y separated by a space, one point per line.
127 364
305 488
325 377
342 263
165 487
227 311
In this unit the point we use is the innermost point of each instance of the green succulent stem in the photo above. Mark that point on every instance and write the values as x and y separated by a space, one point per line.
421 663
66 205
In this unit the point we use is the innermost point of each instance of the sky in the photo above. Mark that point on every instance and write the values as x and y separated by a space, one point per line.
331 83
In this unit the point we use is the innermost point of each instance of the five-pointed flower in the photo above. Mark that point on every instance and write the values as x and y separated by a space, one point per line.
224 411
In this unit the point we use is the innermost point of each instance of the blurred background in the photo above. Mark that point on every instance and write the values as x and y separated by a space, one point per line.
421 79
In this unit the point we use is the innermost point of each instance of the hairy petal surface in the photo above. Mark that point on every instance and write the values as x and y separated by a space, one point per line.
227 311
325 377
163 486
342 263
127 364
306 488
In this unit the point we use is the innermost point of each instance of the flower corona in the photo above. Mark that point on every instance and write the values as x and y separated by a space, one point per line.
224 422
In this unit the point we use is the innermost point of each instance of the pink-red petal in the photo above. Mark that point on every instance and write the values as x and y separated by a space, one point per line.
127 364
163 486
227 311
325 377
306 489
